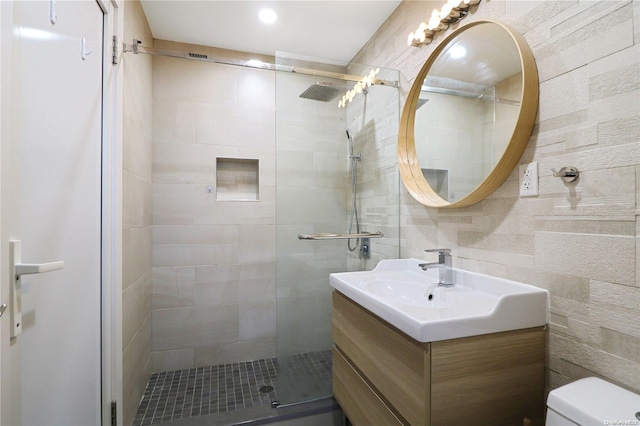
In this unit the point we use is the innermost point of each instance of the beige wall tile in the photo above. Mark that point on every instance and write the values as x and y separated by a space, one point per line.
256 244
137 210
257 282
175 163
597 33
257 321
136 307
217 285
194 255
589 256
235 352
208 211
190 327
621 131
173 204
173 288
171 360
164 121
170 78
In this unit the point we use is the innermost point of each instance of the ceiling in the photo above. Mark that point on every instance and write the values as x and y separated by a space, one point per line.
333 30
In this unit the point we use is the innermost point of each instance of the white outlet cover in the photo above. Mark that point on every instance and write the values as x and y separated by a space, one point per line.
528 178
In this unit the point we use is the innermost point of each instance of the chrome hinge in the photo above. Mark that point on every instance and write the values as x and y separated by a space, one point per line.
114 413
114 59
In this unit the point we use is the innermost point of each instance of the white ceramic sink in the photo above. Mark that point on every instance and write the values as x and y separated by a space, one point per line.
404 295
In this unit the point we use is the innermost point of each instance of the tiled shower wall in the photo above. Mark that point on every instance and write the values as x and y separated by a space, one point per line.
137 214
581 242
214 262
372 121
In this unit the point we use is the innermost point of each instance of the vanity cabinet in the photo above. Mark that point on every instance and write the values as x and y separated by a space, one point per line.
381 376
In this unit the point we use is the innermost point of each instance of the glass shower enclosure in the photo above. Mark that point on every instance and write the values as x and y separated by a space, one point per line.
314 192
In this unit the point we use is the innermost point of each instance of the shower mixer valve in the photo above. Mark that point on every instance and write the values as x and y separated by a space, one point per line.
364 248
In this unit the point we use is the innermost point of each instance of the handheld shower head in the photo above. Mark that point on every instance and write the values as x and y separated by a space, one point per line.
351 155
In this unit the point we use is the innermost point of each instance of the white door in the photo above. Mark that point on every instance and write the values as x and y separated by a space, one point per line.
51 201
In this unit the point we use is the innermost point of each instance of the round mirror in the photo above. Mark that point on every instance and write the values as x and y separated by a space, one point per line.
468 116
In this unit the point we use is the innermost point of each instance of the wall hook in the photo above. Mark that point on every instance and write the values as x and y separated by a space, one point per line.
83 49
568 174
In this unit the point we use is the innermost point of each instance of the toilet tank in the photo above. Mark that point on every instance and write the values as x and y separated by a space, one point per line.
592 401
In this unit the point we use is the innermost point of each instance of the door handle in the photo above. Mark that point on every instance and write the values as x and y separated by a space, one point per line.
37 268
2 309
16 270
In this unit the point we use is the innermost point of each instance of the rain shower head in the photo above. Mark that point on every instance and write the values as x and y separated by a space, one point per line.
324 92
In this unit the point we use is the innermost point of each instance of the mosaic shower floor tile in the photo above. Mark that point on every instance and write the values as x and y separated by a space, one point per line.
214 389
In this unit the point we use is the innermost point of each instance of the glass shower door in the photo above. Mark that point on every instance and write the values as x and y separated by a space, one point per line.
314 195
311 172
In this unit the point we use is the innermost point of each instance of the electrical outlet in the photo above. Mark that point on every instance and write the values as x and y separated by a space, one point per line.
528 180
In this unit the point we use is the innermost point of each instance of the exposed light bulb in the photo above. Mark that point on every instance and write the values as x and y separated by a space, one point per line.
410 39
446 10
360 86
434 23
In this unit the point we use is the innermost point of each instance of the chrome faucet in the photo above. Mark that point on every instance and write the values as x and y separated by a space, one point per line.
443 264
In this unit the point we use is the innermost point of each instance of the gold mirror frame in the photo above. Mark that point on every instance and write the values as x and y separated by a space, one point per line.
412 176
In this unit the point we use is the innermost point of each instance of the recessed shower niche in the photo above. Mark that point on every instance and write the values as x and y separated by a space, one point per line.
237 179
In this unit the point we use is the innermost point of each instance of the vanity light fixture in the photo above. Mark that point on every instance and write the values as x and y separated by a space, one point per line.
359 87
452 12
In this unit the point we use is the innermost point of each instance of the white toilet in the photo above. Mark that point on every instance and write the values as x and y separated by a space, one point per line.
592 402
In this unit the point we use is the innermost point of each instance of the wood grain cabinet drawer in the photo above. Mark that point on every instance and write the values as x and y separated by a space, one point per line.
360 403
395 365
487 380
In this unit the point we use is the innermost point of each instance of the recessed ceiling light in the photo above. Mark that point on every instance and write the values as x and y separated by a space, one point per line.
267 16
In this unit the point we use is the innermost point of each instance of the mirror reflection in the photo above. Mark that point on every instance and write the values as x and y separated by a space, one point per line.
467 109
